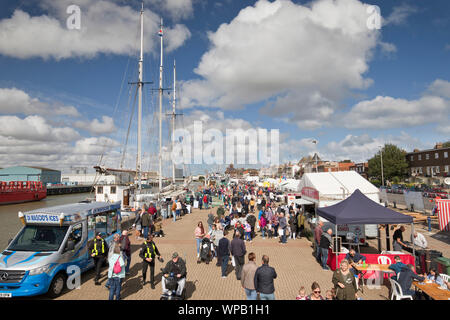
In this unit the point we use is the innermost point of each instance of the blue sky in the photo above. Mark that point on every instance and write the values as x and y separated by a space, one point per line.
350 88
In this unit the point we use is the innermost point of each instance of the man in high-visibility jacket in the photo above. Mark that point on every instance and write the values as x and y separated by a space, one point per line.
99 251
148 253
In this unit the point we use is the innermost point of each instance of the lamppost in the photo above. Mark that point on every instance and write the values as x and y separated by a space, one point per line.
381 157
315 142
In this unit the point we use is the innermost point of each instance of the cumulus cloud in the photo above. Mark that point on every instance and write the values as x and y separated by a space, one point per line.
385 112
35 128
16 101
281 51
105 126
106 27
177 9
94 146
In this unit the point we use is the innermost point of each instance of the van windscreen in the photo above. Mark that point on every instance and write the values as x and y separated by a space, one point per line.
39 238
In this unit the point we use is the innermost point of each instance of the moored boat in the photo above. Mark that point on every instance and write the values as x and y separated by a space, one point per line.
21 191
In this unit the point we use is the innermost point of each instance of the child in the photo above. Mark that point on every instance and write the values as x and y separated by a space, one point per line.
329 295
158 228
248 232
301 294
269 230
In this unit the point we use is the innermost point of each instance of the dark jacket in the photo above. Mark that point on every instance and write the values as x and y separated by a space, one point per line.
406 277
356 258
178 267
223 249
264 276
145 219
325 241
238 247
125 245
349 282
99 248
147 247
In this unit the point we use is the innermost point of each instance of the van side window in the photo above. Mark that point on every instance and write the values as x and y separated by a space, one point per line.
100 223
112 222
77 233
91 227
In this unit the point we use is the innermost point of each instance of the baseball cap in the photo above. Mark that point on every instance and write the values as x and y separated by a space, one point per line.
174 255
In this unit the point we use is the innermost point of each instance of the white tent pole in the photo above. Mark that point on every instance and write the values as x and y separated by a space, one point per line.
414 247
338 249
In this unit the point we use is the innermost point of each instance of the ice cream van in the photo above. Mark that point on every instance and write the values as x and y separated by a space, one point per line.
52 244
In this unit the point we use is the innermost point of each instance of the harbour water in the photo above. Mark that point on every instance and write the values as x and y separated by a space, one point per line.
10 223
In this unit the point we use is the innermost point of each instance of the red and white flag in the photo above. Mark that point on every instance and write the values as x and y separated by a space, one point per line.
443 207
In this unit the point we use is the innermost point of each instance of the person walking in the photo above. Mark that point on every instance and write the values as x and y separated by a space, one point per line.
148 253
138 223
223 253
264 277
283 228
199 234
248 277
344 282
114 243
293 226
238 252
116 273
145 221
174 210
263 225
125 247
99 251
210 221
317 236
325 244
315 294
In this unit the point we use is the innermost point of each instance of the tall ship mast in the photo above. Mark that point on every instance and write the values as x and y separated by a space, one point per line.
160 106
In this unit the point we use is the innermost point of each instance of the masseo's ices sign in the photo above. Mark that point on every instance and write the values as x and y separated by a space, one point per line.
42 218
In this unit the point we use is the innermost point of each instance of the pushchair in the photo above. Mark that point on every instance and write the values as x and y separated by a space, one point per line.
205 251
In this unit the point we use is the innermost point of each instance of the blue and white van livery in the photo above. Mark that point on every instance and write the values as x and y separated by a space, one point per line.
52 240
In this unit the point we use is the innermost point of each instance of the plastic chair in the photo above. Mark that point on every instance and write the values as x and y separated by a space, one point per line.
397 291
445 277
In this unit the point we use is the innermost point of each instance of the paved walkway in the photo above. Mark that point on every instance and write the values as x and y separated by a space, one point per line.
293 262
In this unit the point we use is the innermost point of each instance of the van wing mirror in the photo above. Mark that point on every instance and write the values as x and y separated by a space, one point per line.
70 245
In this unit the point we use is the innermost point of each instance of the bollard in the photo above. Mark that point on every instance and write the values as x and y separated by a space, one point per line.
429 224
395 204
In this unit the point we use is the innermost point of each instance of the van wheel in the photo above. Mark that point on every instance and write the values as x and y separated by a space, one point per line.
57 286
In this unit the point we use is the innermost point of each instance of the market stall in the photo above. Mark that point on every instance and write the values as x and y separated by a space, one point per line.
359 209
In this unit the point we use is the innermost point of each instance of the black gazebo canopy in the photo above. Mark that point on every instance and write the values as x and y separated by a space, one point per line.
358 209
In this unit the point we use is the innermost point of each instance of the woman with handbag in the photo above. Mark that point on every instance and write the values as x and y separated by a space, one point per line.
116 273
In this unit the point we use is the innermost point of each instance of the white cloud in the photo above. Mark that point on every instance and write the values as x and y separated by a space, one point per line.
388 48
16 101
94 146
281 50
440 88
385 112
399 14
177 9
34 128
105 126
106 27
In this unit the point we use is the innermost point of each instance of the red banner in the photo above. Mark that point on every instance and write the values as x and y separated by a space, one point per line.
310 193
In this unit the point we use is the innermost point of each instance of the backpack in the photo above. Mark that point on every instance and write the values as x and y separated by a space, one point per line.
117 268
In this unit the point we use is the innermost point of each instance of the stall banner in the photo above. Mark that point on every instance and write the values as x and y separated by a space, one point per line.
443 207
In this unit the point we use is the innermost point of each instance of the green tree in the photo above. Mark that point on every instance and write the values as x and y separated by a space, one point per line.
394 163
446 144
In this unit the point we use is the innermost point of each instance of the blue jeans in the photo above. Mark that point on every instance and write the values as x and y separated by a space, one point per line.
174 214
317 253
248 236
128 262
283 237
115 287
178 212
266 296
224 265
324 257
251 294
145 232
263 232
199 242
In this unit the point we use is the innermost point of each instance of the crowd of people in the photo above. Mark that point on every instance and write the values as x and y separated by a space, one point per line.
248 211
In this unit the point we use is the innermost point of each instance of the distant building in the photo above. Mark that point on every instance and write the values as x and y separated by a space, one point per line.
429 163
43 175
87 179
361 168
